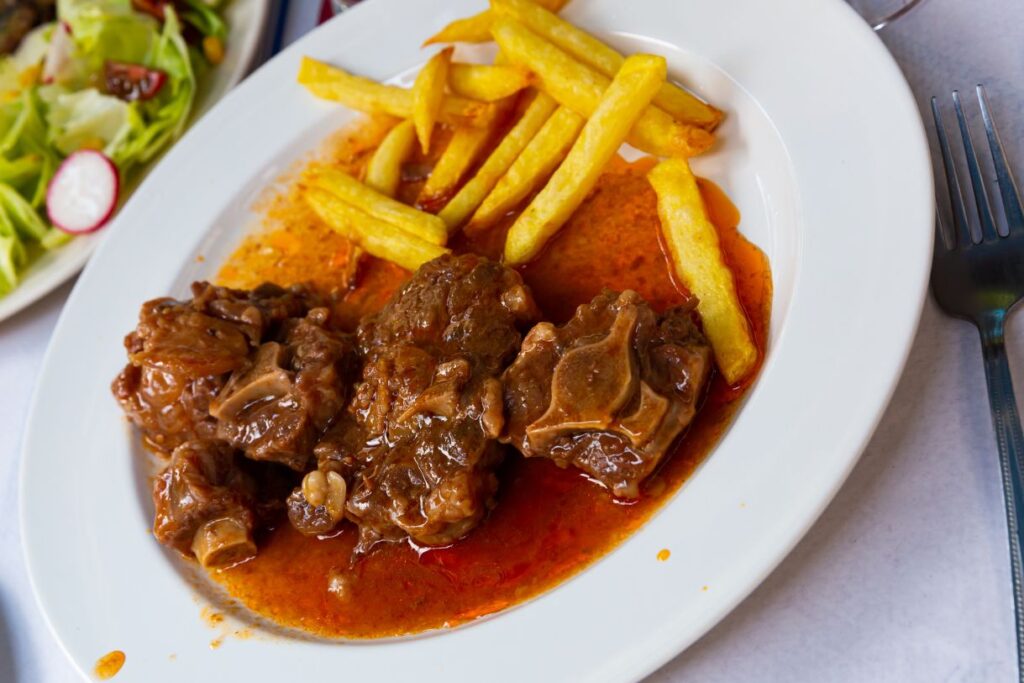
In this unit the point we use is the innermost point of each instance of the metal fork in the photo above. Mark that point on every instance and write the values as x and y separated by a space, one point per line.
980 281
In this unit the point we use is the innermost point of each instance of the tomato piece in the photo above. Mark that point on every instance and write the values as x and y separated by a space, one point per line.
154 8
131 82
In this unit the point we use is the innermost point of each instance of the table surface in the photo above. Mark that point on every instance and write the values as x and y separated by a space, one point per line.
906 575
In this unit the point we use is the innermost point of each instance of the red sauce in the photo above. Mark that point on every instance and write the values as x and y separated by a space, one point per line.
109 665
548 523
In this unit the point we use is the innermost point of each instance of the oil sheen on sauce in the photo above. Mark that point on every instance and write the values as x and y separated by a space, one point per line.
549 523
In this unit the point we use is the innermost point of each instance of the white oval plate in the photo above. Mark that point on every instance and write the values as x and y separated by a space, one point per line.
246 21
823 151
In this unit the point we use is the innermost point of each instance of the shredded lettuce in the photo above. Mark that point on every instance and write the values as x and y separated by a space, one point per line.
18 68
166 114
87 118
13 227
20 214
205 19
19 172
12 256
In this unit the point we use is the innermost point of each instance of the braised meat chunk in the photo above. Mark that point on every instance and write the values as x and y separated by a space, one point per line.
257 312
609 391
181 354
278 404
204 504
226 374
178 359
427 411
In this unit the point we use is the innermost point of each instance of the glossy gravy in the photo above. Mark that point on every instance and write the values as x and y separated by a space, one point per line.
548 523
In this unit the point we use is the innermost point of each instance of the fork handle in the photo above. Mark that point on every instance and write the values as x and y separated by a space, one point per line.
1010 440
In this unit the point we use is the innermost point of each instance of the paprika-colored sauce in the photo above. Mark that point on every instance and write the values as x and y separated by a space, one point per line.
109 665
548 523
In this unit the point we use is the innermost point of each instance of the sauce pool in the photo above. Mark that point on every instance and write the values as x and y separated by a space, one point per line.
548 523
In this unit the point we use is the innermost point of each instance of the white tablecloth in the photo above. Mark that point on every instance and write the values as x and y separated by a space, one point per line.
906 575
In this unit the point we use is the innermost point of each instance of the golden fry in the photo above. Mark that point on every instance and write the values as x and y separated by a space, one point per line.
487 82
472 193
680 104
474 29
428 93
377 237
579 87
363 94
619 108
463 149
413 221
546 150
384 171
697 256
477 28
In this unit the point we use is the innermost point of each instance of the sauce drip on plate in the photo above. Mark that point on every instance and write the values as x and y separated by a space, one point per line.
109 665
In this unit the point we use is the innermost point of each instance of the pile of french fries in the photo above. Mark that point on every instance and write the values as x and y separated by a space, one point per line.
575 102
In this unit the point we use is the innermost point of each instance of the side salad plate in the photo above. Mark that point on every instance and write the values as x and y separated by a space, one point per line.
119 81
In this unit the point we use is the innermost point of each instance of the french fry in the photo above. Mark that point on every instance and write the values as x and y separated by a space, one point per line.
487 82
473 192
697 257
331 83
619 108
680 104
546 150
384 171
377 237
463 149
477 28
474 29
579 87
428 94
427 227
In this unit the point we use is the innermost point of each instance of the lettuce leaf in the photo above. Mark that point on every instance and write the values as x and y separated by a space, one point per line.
12 257
20 67
13 254
166 115
205 19
27 132
24 219
21 173
88 118
106 30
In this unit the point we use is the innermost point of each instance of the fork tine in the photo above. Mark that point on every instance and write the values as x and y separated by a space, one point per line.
1004 176
988 225
961 228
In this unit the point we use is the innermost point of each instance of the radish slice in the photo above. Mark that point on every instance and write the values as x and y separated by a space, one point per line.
83 192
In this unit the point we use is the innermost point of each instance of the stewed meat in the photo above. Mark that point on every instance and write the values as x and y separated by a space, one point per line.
609 391
418 448
259 312
227 374
399 427
182 352
278 404
178 361
204 504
